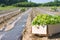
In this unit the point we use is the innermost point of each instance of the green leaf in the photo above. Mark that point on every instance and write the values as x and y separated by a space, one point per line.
45 19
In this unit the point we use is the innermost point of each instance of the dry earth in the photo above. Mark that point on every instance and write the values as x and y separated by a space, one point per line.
6 24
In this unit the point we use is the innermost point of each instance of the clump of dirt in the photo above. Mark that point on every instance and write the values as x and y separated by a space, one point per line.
1 26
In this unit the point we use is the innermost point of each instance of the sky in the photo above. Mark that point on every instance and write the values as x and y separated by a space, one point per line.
40 1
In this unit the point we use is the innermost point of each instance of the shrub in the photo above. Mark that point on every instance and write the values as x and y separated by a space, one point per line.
2 5
54 8
23 9
26 4
45 19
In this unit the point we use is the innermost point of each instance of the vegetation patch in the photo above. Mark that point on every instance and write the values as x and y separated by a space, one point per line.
54 8
26 4
45 19
23 9
6 7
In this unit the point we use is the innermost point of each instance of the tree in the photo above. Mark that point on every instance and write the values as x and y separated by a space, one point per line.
56 2
9 2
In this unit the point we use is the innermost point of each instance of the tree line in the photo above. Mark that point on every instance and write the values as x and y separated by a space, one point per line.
9 2
25 3
54 3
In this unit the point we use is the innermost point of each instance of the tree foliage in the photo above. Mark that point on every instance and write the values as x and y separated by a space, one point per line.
9 2
26 4
55 3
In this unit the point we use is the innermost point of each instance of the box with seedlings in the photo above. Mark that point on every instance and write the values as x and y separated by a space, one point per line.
46 25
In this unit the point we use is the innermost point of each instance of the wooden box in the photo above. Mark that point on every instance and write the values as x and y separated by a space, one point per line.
46 30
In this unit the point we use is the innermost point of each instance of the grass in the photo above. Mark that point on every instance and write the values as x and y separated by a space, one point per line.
7 7
10 7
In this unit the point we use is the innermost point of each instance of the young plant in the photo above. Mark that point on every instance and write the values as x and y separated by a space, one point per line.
54 8
23 9
45 19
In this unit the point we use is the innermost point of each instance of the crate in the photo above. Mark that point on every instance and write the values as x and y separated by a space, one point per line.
46 30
